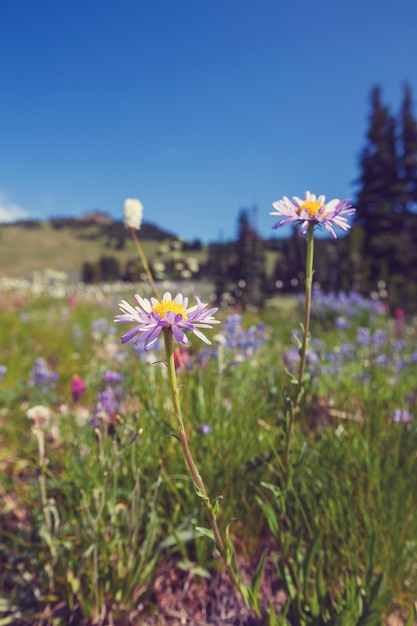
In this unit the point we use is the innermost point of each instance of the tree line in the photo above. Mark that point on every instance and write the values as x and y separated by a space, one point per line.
380 249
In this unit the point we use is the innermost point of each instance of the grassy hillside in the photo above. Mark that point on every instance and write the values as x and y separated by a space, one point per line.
24 251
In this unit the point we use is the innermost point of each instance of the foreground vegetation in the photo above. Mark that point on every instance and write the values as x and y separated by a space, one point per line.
93 490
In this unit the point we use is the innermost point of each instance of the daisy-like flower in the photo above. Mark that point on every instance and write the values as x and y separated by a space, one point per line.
313 210
152 316
133 211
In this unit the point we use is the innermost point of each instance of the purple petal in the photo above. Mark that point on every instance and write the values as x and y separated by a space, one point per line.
130 334
151 336
179 335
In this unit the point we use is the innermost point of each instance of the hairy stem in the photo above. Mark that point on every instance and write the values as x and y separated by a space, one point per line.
303 350
192 467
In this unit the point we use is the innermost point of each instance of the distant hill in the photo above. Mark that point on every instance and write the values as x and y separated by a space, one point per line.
64 243
104 223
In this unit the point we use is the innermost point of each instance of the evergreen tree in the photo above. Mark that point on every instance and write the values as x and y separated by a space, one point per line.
405 262
380 199
379 180
249 256
408 157
387 198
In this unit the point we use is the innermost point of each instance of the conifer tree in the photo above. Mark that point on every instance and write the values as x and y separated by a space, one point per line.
249 253
379 179
408 157
381 192
387 198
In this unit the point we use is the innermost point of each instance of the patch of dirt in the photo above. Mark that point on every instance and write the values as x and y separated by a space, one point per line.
184 599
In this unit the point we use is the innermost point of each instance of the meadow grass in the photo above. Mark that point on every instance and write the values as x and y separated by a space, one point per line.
118 501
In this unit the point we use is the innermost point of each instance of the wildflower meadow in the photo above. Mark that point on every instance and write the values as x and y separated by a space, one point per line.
169 460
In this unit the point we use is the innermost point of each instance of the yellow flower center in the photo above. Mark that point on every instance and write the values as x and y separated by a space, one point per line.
164 306
313 207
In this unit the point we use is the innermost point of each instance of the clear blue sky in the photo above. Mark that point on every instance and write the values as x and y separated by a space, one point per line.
197 107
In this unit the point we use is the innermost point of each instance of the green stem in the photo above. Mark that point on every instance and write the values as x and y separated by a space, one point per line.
198 481
144 262
307 309
304 344
42 484
169 350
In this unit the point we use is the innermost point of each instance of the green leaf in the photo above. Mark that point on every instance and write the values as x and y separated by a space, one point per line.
270 515
308 563
320 587
302 456
207 532
377 593
277 491
255 583
371 619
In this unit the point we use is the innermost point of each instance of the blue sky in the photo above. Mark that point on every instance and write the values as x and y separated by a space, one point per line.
198 108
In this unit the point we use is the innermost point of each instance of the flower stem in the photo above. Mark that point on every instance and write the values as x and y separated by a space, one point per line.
144 262
307 309
42 485
304 344
198 481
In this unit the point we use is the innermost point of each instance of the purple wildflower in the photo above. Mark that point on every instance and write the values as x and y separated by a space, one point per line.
99 327
313 210
379 337
111 376
363 336
110 401
41 375
205 429
402 415
78 388
152 316
341 323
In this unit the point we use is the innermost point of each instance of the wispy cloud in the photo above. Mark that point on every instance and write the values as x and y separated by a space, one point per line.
11 212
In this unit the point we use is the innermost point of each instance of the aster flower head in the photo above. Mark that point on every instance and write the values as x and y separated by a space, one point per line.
152 316
313 210
133 211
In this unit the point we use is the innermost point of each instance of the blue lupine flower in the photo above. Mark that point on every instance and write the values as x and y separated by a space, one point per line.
113 377
341 323
41 375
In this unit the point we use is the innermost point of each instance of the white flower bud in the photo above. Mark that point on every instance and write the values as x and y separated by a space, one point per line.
133 211
39 417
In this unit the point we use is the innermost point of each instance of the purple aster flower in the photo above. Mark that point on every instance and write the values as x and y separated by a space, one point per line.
152 316
205 429
313 210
